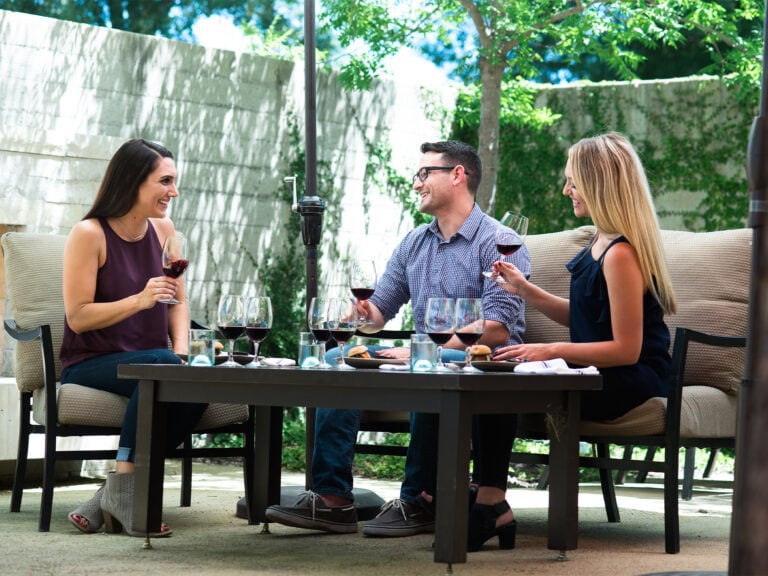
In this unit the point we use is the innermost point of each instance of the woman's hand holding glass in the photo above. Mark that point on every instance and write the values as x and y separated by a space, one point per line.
509 277
175 260
510 236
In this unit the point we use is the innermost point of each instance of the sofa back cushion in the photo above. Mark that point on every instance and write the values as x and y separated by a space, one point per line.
33 281
710 273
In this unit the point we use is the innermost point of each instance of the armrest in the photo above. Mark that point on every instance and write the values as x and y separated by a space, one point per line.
18 334
683 337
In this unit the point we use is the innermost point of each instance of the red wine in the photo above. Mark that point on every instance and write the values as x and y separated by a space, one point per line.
257 334
440 338
508 249
468 338
342 335
176 268
232 332
321 334
363 293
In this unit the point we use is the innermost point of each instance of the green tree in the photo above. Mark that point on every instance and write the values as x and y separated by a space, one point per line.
168 18
512 38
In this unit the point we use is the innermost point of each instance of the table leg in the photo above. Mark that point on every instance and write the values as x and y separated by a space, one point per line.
150 460
452 481
267 462
563 520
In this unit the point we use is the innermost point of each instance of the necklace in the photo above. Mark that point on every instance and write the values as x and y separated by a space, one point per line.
131 236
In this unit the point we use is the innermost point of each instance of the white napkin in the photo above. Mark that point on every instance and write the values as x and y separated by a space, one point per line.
394 367
279 362
554 366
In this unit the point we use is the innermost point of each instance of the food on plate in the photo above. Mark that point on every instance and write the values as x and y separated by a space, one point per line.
480 353
358 352
218 346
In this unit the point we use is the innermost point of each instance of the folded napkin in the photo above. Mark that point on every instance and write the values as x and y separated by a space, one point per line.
554 366
395 367
279 362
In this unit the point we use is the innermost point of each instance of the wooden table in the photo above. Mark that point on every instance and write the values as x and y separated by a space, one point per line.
456 397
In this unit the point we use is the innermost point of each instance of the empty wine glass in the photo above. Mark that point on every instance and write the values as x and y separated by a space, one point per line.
231 323
362 282
175 260
258 323
510 236
469 325
439 322
317 321
342 322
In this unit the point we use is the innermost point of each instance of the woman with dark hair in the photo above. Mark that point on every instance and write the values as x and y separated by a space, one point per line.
113 281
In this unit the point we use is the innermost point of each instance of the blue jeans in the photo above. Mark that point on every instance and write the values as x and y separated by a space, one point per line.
336 434
100 373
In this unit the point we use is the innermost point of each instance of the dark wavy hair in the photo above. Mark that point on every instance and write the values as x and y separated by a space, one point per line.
130 166
456 153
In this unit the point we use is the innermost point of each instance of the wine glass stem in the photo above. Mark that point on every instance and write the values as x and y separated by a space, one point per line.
341 365
231 350
440 355
469 357
256 344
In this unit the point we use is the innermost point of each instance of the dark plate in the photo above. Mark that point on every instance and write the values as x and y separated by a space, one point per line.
373 362
491 366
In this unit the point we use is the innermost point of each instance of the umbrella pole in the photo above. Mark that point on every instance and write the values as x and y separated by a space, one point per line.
749 524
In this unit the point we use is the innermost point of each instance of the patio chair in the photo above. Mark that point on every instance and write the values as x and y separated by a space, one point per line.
35 319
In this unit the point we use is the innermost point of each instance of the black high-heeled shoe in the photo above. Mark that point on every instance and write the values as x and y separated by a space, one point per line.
482 526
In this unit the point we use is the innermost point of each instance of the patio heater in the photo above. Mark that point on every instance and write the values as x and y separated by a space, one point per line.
749 525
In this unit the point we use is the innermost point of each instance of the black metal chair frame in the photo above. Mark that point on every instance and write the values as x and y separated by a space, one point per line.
52 430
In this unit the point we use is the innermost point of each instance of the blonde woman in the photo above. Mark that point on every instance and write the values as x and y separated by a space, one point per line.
620 286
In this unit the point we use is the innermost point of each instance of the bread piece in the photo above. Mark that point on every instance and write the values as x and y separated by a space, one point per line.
480 353
358 352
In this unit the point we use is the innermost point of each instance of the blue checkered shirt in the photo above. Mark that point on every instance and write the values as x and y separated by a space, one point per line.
424 266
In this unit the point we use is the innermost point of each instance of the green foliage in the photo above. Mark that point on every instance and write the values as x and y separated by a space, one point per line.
673 133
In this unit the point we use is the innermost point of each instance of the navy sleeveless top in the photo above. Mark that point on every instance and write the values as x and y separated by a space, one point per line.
624 387
127 268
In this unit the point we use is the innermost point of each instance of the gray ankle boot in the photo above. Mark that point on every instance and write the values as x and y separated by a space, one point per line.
91 512
117 506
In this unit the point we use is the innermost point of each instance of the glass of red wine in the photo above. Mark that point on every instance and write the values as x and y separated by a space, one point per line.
469 325
175 259
317 321
231 323
362 282
342 322
258 323
510 236
439 322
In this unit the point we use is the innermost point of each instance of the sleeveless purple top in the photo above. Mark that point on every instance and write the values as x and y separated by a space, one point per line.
127 268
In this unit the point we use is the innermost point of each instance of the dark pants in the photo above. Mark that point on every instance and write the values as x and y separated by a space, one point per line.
100 373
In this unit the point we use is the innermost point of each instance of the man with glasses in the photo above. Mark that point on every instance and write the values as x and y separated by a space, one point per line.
444 258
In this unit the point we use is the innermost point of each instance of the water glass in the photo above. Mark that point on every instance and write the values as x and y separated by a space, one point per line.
202 347
311 352
423 353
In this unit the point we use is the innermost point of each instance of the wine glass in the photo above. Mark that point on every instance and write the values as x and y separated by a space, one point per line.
258 323
510 236
342 322
469 325
317 321
439 322
362 282
175 259
231 322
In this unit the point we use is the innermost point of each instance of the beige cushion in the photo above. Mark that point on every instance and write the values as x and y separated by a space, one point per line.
706 412
711 274
549 255
80 405
33 282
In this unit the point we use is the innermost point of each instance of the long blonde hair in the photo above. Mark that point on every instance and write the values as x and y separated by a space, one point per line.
611 181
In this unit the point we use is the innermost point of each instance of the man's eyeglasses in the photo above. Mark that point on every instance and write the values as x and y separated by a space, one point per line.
423 173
